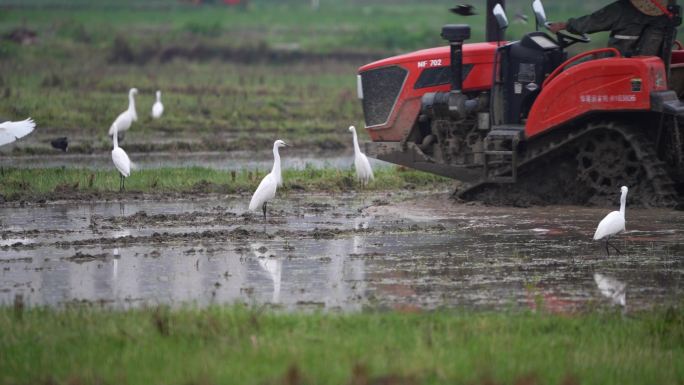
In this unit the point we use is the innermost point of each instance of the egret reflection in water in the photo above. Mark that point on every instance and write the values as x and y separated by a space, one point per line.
272 266
612 289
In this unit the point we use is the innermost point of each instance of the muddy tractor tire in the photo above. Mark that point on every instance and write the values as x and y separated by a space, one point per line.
587 167
612 155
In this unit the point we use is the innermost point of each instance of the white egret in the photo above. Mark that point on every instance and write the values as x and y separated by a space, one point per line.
157 107
11 131
613 223
611 288
364 172
121 160
267 188
125 119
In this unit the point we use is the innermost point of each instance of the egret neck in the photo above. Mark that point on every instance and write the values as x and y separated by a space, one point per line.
131 105
623 201
276 165
116 139
357 149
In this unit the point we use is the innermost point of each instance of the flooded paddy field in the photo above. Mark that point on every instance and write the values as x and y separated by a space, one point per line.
343 252
234 160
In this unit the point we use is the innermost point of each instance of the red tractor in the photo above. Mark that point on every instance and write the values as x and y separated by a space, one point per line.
520 117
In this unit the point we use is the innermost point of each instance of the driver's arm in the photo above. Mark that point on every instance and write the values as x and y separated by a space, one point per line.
602 20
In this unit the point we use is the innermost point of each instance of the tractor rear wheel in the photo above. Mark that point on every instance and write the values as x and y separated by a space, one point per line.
611 155
587 166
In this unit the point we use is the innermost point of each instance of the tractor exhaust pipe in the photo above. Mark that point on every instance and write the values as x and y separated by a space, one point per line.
453 104
456 34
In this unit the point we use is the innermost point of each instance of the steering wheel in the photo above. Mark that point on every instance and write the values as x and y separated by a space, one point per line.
566 38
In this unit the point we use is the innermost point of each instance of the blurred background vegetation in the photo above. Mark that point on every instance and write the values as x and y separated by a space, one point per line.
232 77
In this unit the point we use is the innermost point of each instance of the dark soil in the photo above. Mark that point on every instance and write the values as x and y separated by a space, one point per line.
122 53
545 184
206 144
63 194
84 257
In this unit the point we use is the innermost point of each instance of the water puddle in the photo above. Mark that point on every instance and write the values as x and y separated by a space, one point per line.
343 252
236 160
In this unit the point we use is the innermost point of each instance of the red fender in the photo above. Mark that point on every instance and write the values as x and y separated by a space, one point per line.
605 84
593 52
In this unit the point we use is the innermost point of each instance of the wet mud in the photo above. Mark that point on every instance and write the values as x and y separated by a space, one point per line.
186 146
343 252
235 160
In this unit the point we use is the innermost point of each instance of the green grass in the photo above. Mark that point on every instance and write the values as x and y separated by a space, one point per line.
375 25
61 183
247 346
228 100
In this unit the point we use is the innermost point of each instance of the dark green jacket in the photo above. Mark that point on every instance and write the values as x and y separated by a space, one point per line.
631 32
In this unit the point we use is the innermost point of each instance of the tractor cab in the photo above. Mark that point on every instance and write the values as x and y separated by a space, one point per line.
522 68
524 65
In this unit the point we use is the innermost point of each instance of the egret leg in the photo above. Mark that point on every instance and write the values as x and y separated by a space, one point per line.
264 209
613 246
605 243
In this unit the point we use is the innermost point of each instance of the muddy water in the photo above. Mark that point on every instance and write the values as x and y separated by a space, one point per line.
343 252
237 160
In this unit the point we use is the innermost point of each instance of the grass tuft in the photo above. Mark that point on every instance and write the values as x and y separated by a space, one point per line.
63 183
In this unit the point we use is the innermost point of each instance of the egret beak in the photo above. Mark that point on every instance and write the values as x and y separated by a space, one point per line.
287 145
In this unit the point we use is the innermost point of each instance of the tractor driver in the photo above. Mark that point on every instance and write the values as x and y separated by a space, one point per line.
637 27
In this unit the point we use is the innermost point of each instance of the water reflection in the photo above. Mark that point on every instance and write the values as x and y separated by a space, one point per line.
611 288
395 257
216 160
272 266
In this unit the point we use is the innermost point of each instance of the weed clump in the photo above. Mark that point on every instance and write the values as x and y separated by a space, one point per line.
121 51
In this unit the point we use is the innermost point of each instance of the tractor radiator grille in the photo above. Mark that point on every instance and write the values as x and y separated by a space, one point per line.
381 87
